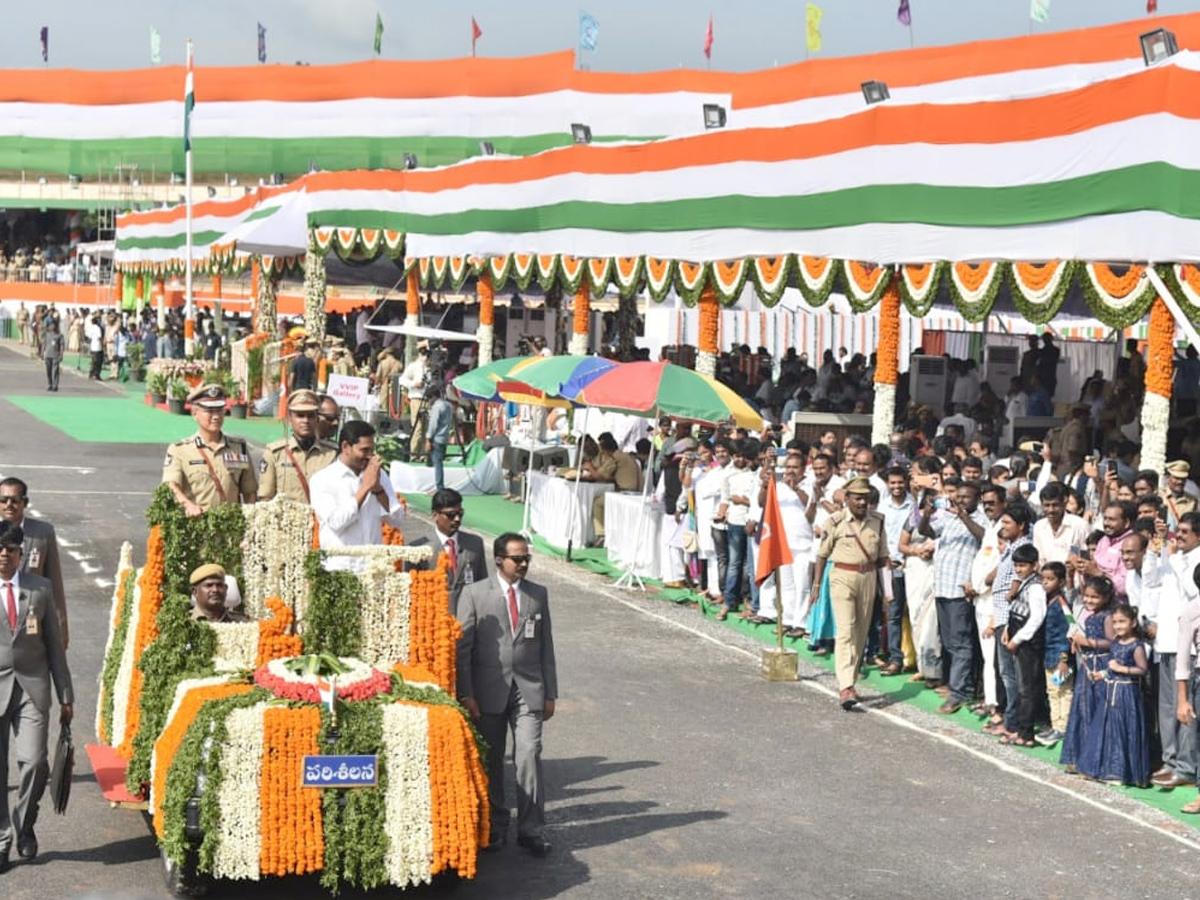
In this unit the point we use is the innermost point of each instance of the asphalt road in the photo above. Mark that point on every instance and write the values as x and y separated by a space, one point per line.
673 770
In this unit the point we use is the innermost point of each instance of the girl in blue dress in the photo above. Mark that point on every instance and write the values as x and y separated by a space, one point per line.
1091 646
1117 746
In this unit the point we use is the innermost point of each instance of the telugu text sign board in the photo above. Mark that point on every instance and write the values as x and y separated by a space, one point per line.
340 771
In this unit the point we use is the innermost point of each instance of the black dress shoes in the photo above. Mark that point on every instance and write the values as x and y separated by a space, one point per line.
27 847
535 845
5 865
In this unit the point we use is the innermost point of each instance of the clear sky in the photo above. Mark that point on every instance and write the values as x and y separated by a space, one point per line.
635 35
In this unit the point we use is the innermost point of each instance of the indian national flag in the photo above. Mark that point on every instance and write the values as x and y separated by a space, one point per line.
189 101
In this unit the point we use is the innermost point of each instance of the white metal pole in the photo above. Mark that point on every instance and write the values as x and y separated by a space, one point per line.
189 326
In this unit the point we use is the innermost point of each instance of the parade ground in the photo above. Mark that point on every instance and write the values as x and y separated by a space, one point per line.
674 770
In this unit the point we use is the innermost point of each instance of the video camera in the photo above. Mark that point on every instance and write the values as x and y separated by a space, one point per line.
436 360
526 345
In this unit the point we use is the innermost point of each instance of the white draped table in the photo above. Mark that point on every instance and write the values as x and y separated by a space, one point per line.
626 541
557 514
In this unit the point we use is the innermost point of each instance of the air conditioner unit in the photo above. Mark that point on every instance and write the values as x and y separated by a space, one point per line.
1001 366
927 381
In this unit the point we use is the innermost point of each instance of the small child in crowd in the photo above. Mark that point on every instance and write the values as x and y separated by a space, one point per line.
1059 661
1025 638
1092 648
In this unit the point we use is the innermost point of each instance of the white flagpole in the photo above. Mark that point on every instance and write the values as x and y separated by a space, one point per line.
189 325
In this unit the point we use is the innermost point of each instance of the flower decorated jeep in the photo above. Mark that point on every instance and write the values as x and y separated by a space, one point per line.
320 737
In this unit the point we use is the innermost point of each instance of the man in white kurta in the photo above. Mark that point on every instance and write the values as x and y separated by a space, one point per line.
795 580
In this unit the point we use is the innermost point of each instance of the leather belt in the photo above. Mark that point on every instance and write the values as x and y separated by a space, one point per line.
862 568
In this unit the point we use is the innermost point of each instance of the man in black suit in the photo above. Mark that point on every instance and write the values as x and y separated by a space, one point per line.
507 679
468 562
39 555
31 657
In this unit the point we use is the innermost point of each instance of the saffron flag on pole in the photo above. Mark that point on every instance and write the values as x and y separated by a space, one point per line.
476 34
904 14
189 101
1039 10
262 43
378 33
589 31
773 549
45 35
708 38
155 46
814 15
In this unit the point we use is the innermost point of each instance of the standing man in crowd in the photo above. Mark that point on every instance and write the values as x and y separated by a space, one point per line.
438 432
39 555
52 354
855 544
958 535
412 379
1179 502
302 374
353 496
94 333
464 551
329 414
897 509
1118 523
507 679
209 468
31 658
290 463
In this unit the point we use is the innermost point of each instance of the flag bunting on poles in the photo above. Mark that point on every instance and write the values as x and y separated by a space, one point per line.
476 34
378 34
45 35
262 43
773 549
155 46
589 31
904 14
813 22
189 101
708 38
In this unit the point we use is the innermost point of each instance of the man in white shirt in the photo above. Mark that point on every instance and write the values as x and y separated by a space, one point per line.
352 497
741 485
1058 531
94 333
896 507
1162 610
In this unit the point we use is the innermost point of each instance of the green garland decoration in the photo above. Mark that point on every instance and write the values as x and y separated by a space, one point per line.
1136 310
355 839
116 649
333 624
979 310
183 649
916 306
1166 272
1041 314
770 295
215 536
200 751
859 304
818 296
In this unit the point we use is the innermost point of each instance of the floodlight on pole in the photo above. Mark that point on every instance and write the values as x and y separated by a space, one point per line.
714 115
1158 45
875 92
487 148
410 160
581 134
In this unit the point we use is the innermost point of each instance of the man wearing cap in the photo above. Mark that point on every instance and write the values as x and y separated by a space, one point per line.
1175 495
412 379
342 362
209 590
386 370
31 658
289 463
209 469
855 545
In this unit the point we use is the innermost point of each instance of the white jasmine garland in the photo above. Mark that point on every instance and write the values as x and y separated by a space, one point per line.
357 671
1156 420
123 683
883 419
706 363
578 345
124 564
486 336
408 804
385 607
278 539
181 690
239 823
237 645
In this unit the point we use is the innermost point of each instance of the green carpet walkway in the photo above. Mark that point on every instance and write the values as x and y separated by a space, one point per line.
495 515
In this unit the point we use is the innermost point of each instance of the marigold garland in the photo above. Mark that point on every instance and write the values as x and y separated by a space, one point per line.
1114 284
710 315
972 276
293 840
274 638
149 602
1160 358
117 635
412 294
583 298
433 631
458 788
487 299
171 738
887 368
362 683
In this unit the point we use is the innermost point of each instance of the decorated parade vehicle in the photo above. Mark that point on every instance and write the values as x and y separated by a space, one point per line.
320 736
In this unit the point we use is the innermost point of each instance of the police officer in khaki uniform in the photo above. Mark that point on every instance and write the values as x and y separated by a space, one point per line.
855 545
1178 501
209 590
289 463
208 468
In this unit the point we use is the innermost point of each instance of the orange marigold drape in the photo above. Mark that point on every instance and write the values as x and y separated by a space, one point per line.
887 367
487 299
